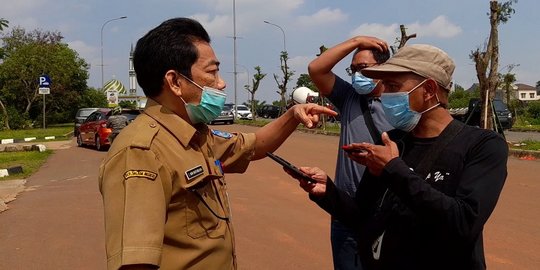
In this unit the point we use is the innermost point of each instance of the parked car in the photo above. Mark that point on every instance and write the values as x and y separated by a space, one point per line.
94 131
242 112
80 116
471 115
226 115
268 111
131 114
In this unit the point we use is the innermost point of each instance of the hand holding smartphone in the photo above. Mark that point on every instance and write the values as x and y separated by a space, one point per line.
291 168
351 149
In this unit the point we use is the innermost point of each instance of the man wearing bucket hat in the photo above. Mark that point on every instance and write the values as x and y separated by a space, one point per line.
429 192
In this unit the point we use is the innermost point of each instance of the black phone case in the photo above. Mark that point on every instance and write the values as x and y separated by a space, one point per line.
290 167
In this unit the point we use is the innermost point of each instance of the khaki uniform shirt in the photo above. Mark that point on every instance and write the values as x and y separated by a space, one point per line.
164 192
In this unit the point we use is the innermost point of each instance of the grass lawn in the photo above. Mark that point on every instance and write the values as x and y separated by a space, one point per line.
330 129
39 133
527 145
29 160
334 129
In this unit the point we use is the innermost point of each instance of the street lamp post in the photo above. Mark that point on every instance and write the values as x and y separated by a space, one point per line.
247 72
103 26
284 45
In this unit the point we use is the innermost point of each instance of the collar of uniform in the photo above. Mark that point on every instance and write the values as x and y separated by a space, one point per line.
181 129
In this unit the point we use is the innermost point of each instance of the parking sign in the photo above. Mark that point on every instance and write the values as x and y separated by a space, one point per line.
44 85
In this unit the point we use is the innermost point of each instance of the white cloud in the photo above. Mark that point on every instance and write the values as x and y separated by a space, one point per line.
299 64
440 27
323 16
218 26
263 7
85 51
384 32
250 15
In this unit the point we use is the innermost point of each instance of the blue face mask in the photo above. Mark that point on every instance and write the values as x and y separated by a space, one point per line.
210 107
398 112
362 84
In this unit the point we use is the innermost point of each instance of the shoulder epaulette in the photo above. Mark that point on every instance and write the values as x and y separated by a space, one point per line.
145 135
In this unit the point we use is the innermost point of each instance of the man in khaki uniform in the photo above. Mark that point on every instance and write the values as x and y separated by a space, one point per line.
162 181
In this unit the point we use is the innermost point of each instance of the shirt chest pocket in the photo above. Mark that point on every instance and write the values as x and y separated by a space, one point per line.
205 208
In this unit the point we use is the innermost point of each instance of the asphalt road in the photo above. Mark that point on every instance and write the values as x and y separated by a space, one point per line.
58 222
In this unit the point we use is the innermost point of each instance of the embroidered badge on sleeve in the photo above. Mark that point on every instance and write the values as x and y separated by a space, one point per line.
140 173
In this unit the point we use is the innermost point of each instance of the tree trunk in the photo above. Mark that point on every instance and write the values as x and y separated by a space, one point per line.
6 116
489 82
253 111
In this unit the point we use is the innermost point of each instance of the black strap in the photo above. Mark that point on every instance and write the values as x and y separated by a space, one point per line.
447 135
368 119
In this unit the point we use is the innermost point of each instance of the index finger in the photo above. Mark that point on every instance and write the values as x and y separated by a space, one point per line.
320 109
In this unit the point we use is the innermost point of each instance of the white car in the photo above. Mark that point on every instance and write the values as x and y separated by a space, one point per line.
242 112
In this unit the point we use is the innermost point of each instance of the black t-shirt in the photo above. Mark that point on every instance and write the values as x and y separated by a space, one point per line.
432 222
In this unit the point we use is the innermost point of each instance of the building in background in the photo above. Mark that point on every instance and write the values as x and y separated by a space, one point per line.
116 92
526 92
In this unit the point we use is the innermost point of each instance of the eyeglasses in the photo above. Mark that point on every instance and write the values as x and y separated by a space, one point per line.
355 68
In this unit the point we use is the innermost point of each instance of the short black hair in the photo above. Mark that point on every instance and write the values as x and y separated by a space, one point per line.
168 46
380 57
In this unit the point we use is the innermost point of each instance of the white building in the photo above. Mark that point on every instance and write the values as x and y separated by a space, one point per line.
526 92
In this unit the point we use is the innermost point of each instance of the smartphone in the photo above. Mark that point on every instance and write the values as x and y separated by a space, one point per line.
349 149
295 171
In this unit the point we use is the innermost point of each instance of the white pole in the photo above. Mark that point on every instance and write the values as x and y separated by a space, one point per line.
234 58
103 26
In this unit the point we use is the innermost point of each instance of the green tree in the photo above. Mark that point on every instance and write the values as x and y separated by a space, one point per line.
459 98
29 55
507 80
5 116
276 103
127 104
3 24
305 80
282 82
533 112
458 87
487 60
538 85
254 104
92 98
257 78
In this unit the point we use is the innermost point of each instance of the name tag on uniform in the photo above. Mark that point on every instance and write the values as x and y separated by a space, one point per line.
193 173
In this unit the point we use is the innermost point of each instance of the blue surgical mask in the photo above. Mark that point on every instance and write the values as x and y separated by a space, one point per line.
398 112
362 84
210 107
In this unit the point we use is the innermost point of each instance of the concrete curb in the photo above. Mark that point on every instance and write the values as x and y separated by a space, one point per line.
29 139
524 154
22 147
11 171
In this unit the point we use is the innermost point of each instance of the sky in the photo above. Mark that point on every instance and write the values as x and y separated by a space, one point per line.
457 27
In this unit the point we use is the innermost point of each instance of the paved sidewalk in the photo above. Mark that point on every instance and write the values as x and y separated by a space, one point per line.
9 189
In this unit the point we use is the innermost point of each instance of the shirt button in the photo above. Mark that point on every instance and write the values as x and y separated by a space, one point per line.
152 125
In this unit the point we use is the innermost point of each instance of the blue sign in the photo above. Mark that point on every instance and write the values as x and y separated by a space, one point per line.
44 81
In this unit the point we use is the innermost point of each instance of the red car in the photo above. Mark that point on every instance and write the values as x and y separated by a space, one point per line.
94 131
